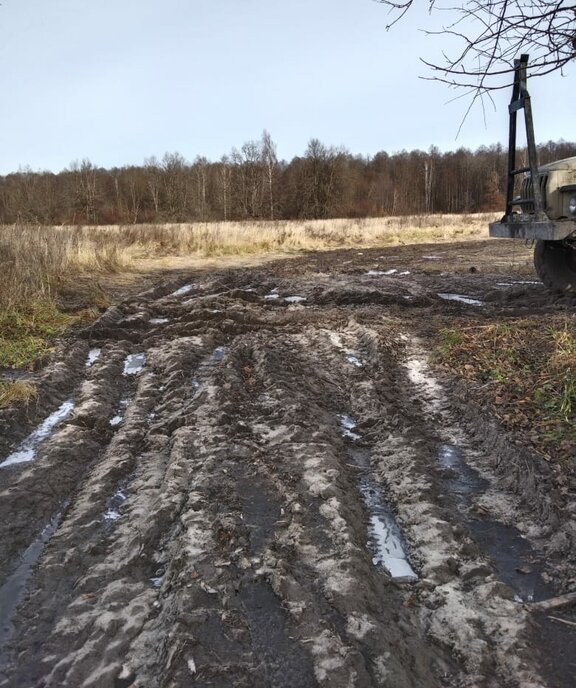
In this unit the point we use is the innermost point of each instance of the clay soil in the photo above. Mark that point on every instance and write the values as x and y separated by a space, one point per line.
205 513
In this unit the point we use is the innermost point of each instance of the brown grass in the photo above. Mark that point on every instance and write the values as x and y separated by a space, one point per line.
18 391
36 262
241 238
40 266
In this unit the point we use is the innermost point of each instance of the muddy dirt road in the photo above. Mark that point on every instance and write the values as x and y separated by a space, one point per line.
255 478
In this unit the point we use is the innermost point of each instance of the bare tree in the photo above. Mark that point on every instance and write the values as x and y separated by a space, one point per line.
270 161
492 33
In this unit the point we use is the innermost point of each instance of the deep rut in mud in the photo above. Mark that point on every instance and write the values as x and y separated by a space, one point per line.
254 479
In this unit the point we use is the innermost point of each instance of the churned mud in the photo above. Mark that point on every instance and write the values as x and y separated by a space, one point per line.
254 477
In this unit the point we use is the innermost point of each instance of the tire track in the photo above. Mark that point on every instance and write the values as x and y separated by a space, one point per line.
218 532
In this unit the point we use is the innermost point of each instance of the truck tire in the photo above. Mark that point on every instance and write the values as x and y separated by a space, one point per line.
555 263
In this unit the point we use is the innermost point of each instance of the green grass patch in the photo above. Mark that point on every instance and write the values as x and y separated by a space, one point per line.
526 373
27 333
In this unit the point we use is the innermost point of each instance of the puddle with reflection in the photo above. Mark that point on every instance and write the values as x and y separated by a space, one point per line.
183 290
515 562
134 363
93 356
119 417
385 539
28 448
462 299
113 512
347 425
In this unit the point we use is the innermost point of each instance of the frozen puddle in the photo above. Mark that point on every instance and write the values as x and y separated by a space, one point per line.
134 364
158 321
28 448
93 356
183 290
385 540
463 299
14 589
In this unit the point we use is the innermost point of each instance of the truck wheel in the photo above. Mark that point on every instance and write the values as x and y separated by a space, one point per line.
555 263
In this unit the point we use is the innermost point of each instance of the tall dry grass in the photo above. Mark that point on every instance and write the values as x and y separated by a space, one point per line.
35 261
232 238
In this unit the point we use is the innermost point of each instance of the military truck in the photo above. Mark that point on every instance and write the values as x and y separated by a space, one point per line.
545 209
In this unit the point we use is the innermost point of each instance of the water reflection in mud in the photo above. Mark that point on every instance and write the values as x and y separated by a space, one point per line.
27 450
385 540
515 562
14 589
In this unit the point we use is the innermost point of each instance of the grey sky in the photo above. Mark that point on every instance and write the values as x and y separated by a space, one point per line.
117 81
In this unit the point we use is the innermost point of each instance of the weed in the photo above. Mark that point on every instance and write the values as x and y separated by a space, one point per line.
532 376
17 391
26 332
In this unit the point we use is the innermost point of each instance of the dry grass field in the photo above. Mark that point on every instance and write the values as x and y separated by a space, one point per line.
35 261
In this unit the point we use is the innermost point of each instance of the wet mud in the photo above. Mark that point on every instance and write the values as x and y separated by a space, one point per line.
254 477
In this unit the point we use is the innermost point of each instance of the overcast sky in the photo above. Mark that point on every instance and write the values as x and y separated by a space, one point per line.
117 81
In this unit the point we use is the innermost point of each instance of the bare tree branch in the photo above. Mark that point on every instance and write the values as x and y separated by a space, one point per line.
492 33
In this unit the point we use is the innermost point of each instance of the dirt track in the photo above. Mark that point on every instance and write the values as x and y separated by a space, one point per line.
213 505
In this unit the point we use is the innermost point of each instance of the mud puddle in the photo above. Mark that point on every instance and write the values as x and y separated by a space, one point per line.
14 588
93 356
260 511
113 513
283 662
184 289
461 299
134 363
385 540
118 418
28 448
515 562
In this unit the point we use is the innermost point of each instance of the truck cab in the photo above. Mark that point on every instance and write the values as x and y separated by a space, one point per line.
545 210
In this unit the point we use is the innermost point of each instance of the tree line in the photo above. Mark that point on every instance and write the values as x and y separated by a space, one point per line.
250 183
